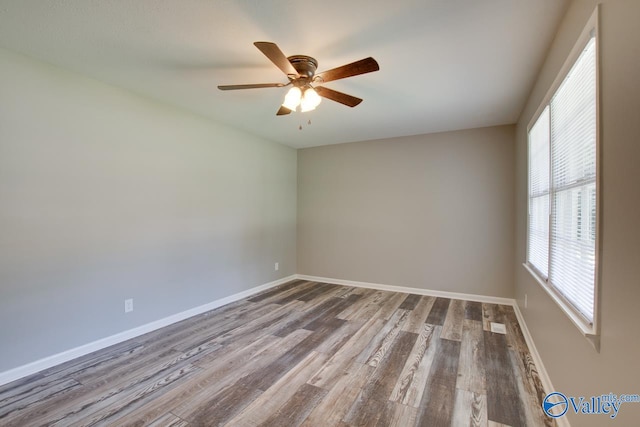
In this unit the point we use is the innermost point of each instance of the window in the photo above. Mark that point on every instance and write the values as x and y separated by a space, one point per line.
562 214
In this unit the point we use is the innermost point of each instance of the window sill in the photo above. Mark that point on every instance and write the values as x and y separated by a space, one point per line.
589 331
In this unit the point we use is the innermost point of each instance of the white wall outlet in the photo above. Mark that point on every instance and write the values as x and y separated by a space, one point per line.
128 305
525 300
276 266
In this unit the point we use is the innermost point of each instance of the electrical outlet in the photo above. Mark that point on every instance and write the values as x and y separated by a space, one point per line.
276 266
525 300
128 305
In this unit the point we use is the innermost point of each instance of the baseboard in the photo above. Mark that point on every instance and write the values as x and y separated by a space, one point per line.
56 359
410 290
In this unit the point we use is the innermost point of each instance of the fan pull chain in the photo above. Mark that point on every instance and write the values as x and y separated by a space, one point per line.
308 123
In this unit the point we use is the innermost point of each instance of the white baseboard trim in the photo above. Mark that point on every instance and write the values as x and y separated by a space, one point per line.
410 290
56 359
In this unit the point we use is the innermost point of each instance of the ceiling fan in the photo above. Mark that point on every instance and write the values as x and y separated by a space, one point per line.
301 72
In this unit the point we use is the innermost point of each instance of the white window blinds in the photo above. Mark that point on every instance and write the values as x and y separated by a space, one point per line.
562 187
539 194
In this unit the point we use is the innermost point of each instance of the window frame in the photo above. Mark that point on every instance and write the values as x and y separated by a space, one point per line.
591 330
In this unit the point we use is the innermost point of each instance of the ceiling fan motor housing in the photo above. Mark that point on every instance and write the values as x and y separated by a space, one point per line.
306 66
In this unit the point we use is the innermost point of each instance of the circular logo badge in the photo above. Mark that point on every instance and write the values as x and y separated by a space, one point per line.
555 404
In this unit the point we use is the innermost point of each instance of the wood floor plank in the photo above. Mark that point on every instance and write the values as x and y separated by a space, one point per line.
410 302
187 334
318 290
345 291
91 396
336 292
207 334
274 397
90 361
392 327
130 387
470 409
257 328
376 392
328 314
229 370
12 408
418 315
26 396
278 290
340 337
303 353
276 297
391 305
215 375
125 366
410 385
340 397
452 326
300 293
117 406
168 420
504 404
214 322
473 310
226 405
295 410
369 305
437 404
379 353
279 367
311 320
471 366
438 312
111 357
343 358
397 415
22 384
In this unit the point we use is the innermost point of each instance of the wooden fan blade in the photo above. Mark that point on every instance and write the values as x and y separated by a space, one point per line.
283 111
340 97
252 86
363 66
273 52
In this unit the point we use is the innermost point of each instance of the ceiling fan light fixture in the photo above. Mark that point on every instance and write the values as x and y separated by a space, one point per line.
293 98
301 72
310 100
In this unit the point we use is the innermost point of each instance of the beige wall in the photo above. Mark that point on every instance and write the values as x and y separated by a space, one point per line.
574 366
429 211
105 196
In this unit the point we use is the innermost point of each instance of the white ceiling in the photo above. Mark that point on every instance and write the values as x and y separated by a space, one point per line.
444 64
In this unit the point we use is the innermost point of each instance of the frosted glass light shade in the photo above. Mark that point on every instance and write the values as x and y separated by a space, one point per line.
292 98
310 100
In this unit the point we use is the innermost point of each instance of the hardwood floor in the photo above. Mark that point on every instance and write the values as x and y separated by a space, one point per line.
304 353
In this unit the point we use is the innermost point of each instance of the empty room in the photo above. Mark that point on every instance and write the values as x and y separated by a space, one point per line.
293 213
